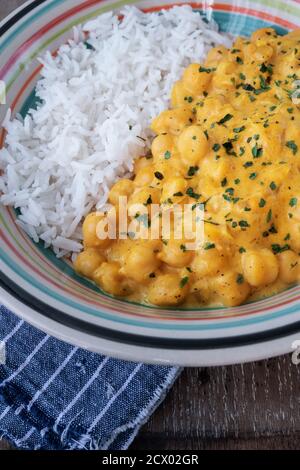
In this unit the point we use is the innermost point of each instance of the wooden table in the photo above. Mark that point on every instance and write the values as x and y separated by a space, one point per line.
252 406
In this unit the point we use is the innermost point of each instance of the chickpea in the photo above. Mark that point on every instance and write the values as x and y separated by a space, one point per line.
141 163
108 277
168 290
263 33
208 262
232 288
195 79
260 267
163 147
192 145
172 121
142 199
175 254
173 186
203 290
289 266
144 176
215 55
89 230
88 261
216 169
123 187
142 261
180 96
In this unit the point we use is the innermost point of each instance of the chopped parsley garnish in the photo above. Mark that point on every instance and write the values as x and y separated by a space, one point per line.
252 176
149 201
248 164
243 224
237 130
266 68
256 151
248 87
230 191
184 281
206 70
159 175
240 279
292 146
216 147
229 148
262 203
226 118
190 192
293 202
224 182
273 186
276 248
193 170
167 155
209 246
242 249
269 216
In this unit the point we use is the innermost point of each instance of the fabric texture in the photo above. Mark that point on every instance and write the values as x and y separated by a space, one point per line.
57 396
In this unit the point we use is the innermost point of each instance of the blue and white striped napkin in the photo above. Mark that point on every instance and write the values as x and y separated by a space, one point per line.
56 396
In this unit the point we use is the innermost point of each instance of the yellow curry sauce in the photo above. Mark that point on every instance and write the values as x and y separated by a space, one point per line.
231 141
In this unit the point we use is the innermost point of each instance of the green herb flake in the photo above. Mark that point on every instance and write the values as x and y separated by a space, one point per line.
206 70
184 281
292 146
256 151
209 246
226 118
269 216
190 192
276 248
293 202
159 175
237 130
193 170
262 203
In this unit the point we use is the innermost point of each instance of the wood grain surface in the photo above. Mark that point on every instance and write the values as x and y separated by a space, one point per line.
251 406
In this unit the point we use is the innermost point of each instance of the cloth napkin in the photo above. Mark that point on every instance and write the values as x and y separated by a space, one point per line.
57 396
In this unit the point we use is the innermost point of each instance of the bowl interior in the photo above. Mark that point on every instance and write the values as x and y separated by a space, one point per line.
33 272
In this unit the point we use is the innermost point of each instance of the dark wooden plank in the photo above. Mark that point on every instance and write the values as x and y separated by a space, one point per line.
231 407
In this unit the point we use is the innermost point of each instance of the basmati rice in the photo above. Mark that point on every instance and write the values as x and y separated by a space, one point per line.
97 101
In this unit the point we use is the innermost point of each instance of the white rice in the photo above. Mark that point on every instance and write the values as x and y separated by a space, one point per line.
60 162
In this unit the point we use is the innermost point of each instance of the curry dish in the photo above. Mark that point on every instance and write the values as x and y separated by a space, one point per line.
231 141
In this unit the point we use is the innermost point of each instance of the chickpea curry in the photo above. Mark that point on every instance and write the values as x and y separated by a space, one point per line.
230 141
